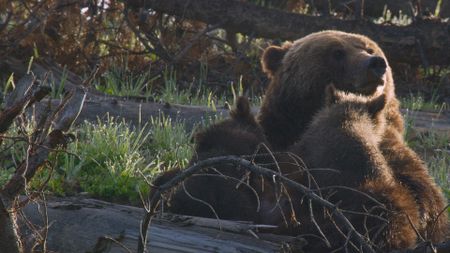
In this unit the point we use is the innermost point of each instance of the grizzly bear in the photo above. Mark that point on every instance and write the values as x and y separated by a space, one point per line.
225 191
299 73
340 150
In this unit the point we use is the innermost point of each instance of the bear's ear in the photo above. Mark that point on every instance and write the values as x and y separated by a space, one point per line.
272 57
241 108
331 95
376 105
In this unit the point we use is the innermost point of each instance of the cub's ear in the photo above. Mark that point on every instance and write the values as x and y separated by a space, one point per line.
331 95
272 57
376 105
241 108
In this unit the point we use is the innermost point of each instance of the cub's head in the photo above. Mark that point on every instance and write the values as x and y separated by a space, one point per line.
238 135
345 109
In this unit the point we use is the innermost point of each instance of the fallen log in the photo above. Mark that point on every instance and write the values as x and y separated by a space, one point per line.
138 113
88 225
80 224
423 42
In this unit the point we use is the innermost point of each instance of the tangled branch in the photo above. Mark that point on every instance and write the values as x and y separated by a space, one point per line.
248 165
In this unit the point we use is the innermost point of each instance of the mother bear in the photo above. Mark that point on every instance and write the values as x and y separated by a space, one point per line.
299 73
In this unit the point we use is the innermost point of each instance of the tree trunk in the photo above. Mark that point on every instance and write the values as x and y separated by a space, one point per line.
8 231
423 42
137 111
88 225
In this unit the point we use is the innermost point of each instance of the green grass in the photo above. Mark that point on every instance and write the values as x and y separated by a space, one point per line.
112 161
401 19
434 149
417 102
119 81
437 158
193 95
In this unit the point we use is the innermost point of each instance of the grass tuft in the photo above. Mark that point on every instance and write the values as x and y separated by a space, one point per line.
111 160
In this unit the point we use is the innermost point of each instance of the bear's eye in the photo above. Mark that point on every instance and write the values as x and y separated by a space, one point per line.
338 54
370 51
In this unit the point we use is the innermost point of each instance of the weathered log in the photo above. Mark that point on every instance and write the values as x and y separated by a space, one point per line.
87 225
422 41
137 111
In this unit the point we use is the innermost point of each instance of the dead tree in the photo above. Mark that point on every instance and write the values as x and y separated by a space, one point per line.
49 135
407 44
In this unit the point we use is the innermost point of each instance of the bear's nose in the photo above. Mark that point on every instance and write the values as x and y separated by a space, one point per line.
377 66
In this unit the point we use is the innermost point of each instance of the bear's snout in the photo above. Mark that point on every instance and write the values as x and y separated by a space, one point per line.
376 68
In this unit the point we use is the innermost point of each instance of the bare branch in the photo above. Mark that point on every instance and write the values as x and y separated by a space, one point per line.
399 42
38 154
237 161
33 93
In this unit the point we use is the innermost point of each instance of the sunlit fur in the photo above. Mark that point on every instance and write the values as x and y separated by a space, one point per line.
299 73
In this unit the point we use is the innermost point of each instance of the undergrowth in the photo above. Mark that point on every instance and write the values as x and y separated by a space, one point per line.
115 161
112 161
119 81
417 102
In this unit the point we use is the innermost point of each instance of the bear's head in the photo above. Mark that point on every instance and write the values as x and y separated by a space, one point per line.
352 62
300 72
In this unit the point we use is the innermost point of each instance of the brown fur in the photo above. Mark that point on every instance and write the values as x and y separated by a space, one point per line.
345 136
300 72
229 196
411 171
306 67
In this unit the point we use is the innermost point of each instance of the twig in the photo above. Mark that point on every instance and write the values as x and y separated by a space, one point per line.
436 220
237 161
33 94
37 154
156 49
185 50
204 203
313 220
6 23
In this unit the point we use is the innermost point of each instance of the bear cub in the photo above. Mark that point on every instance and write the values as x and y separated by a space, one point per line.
224 191
340 151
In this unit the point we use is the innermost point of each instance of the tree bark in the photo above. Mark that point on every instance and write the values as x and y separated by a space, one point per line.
423 42
88 225
42 143
8 230
137 111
